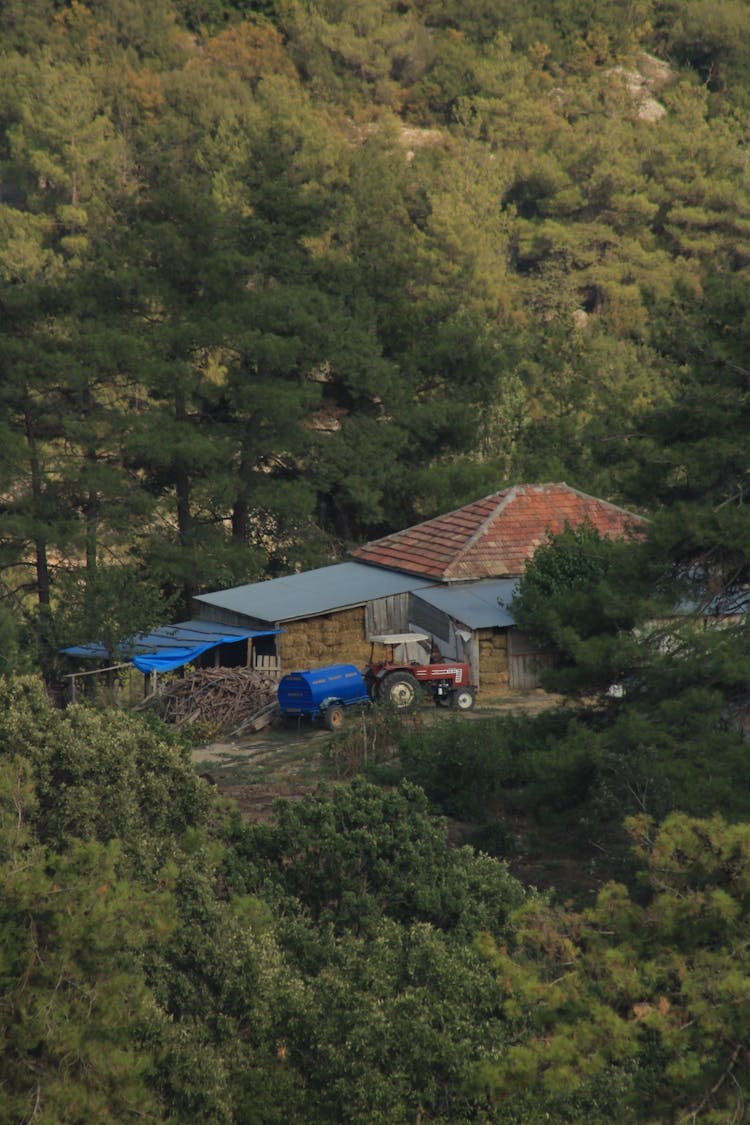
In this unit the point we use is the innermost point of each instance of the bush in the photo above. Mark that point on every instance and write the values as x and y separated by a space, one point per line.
353 854
102 775
470 769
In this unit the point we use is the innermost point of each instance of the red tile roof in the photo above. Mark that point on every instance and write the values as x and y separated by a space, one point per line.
495 536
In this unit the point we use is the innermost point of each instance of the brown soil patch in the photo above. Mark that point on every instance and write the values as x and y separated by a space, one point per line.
255 769
256 804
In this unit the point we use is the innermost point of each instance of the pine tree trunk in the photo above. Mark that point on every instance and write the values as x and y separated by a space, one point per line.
241 506
40 543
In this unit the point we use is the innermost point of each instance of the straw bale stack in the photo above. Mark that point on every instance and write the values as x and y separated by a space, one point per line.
332 638
493 660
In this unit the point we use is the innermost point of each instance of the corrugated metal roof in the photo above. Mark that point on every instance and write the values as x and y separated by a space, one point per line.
478 605
731 603
313 592
185 634
494 537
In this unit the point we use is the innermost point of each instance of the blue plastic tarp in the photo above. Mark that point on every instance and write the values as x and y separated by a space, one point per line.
169 659
171 646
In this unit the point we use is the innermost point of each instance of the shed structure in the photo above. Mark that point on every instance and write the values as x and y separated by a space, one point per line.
172 646
452 577
326 614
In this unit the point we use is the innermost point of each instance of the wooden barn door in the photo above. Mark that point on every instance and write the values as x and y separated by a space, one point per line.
525 660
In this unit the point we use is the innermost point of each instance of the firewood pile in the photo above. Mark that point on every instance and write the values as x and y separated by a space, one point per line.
229 699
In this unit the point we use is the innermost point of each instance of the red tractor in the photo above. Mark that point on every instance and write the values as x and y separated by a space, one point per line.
406 661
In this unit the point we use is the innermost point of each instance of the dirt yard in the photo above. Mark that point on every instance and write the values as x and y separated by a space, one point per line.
255 770
279 762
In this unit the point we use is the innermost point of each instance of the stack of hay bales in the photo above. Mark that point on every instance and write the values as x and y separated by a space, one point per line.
493 661
332 638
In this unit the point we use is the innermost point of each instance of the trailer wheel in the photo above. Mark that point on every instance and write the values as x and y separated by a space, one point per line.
463 699
399 689
334 716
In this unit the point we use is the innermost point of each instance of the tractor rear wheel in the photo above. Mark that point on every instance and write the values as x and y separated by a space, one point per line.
463 699
334 716
399 689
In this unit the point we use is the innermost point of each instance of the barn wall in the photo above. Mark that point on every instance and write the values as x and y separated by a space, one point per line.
331 638
493 661
526 660
387 615
220 616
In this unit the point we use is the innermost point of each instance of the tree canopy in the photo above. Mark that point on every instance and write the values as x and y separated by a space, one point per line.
278 278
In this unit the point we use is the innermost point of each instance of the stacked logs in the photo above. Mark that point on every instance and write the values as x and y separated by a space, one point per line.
228 699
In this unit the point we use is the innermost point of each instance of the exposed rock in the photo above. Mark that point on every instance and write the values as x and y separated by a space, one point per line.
650 74
414 138
655 71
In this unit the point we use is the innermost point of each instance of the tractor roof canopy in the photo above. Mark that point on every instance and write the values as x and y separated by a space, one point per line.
399 638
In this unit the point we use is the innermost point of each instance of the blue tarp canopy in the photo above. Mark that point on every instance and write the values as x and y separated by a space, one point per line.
171 646
169 658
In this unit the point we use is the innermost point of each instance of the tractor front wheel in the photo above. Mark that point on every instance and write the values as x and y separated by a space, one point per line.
334 716
463 699
400 690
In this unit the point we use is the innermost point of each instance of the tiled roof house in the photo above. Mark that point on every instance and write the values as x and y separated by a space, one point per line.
452 577
473 557
494 537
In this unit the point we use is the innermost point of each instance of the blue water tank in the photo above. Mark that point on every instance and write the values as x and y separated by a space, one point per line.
310 692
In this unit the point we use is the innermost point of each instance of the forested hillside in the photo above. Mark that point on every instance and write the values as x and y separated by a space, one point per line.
161 960
280 277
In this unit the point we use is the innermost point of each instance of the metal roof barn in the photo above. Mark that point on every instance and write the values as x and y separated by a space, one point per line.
477 605
313 592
